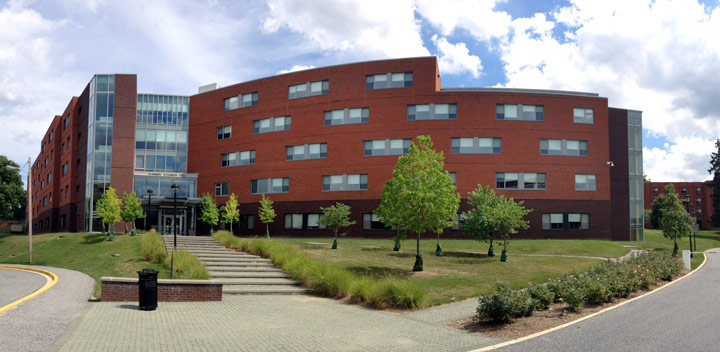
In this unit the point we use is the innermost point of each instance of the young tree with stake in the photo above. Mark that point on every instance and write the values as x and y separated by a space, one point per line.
108 209
266 213
230 211
131 211
209 212
336 217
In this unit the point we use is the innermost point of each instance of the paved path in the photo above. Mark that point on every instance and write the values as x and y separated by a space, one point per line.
16 284
35 324
260 323
681 317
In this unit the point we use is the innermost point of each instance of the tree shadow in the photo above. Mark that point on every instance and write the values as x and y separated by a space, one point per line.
93 238
376 271
401 255
465 255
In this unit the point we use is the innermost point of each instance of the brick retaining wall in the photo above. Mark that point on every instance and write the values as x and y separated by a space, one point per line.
119 289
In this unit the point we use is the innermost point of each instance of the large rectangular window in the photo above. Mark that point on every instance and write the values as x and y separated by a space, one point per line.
432 112
246 157
293 221
566 221
583 115
270 185
563 147
66 122
222 189
303 221
65 168
308 89
306 151
348 182
241 101
383 147
388 80
273 124
520 180
372 222
224 132
520 112
585 182
347 116
476 145
312 221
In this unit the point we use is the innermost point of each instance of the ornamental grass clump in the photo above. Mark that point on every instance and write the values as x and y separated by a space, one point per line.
152 248
187 266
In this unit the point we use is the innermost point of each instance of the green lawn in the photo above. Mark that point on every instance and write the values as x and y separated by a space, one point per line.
465 271
90 253
654 240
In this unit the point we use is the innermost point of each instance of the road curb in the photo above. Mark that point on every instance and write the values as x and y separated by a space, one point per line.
51 278
537 334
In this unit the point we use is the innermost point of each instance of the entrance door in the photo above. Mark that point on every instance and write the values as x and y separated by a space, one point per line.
168 223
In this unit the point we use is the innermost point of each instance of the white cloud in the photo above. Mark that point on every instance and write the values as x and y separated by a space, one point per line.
478 17
455 58
688 160
296 68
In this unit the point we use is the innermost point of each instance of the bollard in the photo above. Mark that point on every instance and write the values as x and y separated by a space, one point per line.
686 259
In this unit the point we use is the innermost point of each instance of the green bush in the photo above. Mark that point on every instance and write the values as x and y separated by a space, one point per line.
187 266
392 292
504 305
152 248
575 298
330 281
362 290
542 296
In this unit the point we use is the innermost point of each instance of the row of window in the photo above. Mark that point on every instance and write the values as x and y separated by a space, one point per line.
682 190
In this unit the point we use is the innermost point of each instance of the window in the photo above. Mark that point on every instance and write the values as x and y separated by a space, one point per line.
563 147
347 116
519 180
44 200
65 168
351 182
372 222
61 194
43 147
388 80
655 190
67 191
683 190
270 185
273 124
63 221
698 201
293 221
306 151
383 147
308 89
453 176
66 122
476 145
241 101
520 112
46 161
49 177
222 189
566 221
432 112
460 219
246 157
583 115
584 182
697 190
224 132
312 221
246 222
52 134
62 150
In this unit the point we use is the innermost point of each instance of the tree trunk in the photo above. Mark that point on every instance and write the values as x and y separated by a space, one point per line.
418 244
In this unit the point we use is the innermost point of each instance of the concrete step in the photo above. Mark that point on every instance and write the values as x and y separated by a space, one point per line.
240 266
227 255
263 290
246 275
232 260
271 281
245 269
208 248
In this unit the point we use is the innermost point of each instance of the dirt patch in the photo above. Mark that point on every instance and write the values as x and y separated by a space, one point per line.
556 315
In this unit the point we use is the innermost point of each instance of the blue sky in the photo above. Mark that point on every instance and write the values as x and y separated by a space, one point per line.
661 56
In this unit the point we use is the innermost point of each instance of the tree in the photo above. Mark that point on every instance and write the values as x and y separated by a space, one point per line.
646 179
230 212
209 211
108 209
12 193
715 171
266 213
658 204
675 221
494 217
131 210
421 196
336 217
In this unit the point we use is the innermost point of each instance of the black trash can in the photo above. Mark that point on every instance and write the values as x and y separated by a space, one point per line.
147 284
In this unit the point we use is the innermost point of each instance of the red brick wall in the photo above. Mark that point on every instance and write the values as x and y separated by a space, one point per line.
129 291
705 198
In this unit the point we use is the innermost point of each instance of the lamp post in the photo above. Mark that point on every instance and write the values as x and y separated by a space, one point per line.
174 187
149 192
28 205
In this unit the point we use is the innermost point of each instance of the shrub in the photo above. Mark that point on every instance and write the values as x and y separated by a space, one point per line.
152 248
392 292
504 305
330 281
187 266
575 298
596 290
362 290
542 296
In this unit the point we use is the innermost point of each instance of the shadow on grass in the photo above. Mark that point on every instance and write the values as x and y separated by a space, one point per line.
376 271
93 238
465 255
402 255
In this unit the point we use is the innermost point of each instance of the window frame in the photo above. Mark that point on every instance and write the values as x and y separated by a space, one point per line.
344 185
306 155
269 187
387 149
564 147
583 118
224 132
520 113
293 92
347 119
432 114
222 186
371 80
287 124
240 101
227 158
521 182
495 145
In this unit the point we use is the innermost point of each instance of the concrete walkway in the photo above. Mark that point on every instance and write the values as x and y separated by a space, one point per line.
681 317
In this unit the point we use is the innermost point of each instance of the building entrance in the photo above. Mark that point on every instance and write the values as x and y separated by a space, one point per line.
168 223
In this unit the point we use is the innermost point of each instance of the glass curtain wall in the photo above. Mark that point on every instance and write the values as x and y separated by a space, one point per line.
636 175
161 133
99 145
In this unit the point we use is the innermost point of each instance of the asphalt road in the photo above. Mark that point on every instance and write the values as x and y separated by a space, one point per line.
35 324
681 317
16 284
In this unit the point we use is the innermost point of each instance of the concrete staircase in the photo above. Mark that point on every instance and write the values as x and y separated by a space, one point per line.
240 273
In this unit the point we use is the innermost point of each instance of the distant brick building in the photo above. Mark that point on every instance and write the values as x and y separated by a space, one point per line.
696 198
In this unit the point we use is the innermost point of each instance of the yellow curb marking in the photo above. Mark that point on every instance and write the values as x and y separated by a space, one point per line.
524 338
51 280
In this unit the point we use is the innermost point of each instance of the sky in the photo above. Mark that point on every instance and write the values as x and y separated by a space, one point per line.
661 57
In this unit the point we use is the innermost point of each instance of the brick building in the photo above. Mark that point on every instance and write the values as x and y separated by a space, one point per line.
696 198
311 138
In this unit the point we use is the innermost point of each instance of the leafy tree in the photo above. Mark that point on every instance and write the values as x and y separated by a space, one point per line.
494 217
266 213
646 179
12 193
131 210
230 212
421 196
675 221
715 171
108 209
660 203
336 217
209 210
